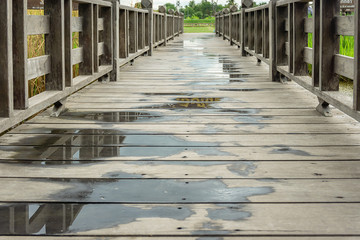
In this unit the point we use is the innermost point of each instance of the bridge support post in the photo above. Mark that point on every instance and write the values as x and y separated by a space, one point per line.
233 8
148 5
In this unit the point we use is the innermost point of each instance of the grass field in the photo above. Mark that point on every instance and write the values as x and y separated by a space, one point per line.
207 29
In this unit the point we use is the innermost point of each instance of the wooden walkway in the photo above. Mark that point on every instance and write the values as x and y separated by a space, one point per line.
193 143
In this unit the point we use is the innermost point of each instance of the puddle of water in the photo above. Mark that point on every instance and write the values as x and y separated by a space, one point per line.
110 116
38 219
238 75
168 94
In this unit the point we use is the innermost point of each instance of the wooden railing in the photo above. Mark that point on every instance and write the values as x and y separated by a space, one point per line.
110 35
277 33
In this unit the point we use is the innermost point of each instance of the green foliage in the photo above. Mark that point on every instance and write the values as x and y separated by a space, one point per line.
208 20
206 29
170 6
203 10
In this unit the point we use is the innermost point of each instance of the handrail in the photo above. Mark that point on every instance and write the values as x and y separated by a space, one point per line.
277 34
111 36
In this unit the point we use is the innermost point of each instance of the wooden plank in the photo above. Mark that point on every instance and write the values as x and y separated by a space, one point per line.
300 38
329 45
6 61
20 85
141 33
158 140
100 25
345 25
177 238
186 220
28 153
55 45
344 66
258 32
167 191
37 25
309 25
38 66
190 169
266 36
87 39
308 55
77 24
356 82
77 55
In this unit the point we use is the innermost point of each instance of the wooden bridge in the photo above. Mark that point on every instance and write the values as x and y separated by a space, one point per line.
196 141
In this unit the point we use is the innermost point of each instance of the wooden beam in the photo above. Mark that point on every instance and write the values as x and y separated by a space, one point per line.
6 62
96 37
273 74
122 34
290 36
258 31
20 54
87 39
281 36
329 45
133 32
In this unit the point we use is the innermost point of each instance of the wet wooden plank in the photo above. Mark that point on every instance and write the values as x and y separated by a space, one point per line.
189 169
279 153
156 140
199 220
180 190
178 238
195 128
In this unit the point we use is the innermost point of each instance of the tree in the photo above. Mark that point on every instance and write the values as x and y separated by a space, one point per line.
170 6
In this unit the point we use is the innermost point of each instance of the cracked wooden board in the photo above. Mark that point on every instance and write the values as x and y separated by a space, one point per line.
188 169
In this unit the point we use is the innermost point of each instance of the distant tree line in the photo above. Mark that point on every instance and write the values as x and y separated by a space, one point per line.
202 10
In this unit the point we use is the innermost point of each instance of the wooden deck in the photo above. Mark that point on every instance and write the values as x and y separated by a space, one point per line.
193 143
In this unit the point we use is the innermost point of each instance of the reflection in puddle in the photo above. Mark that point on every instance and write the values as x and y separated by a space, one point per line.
168 94
197 102
111 116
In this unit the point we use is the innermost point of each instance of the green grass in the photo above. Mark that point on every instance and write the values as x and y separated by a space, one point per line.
199 20
199 29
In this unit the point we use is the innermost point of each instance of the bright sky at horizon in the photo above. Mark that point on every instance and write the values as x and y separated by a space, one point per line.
158 3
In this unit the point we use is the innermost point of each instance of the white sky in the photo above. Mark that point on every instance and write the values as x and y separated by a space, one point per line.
182 2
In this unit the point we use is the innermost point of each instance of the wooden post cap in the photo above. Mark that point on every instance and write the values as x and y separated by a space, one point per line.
226 10
146 3
162 9
247 3
171 11
233 8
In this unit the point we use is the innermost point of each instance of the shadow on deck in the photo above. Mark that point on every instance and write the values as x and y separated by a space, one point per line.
192 143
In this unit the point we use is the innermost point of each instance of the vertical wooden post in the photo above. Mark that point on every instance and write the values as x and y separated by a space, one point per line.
273 74
266 36
115 73
96 37
140 31
87 39
281 36
329 45
223 24
291 32
6 63
132 31
107 57
68 43
357 58
316 43
20 48
300 12
148 5
226 23
258 31
162 9
123 43
242 32
182 22
55 45
232 23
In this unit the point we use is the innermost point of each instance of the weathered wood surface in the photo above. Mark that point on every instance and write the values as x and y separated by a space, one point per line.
195 142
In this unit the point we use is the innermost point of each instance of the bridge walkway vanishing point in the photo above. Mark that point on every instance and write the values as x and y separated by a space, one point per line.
194 142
